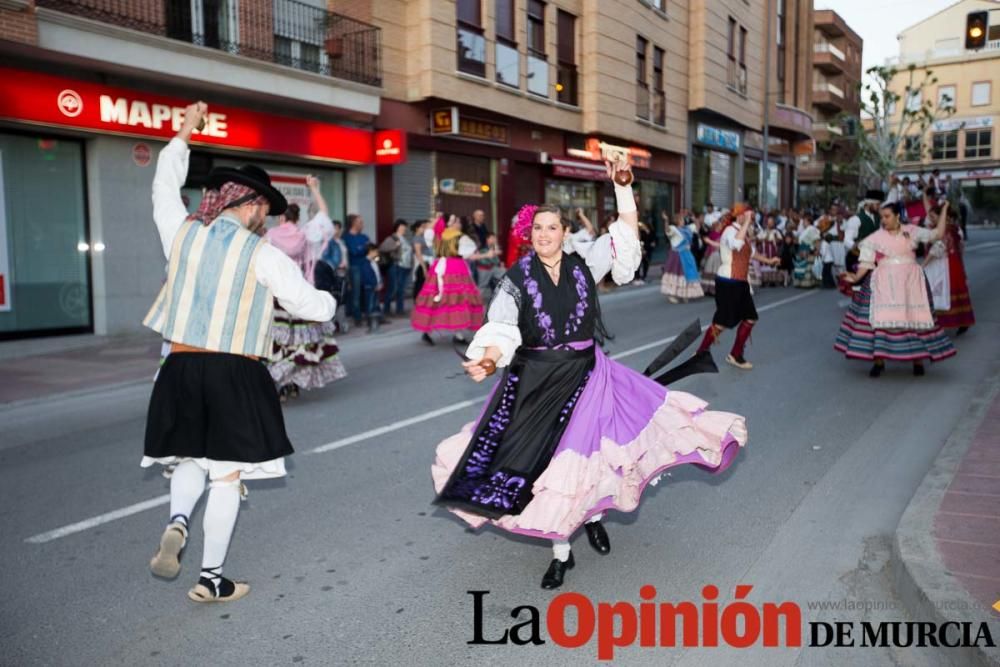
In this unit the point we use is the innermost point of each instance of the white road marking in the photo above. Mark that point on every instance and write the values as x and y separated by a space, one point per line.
108 517
93 522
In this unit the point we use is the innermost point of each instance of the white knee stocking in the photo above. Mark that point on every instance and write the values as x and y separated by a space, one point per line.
595 518
187 483
220 518
560 550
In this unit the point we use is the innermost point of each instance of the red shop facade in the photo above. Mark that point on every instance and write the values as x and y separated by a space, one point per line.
78 248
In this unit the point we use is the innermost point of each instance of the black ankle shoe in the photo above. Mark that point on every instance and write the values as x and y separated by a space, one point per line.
876 370
427 339
598 537
557 570
961 330
918 369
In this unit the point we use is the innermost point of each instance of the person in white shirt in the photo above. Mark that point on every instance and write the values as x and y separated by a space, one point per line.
214 411
712 215
734 305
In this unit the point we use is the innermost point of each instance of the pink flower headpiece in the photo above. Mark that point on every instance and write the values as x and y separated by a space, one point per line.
522 228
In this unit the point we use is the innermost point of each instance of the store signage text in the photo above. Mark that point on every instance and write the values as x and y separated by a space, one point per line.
449 122
450 186
952 124
44 99
714 136
595 149
136 113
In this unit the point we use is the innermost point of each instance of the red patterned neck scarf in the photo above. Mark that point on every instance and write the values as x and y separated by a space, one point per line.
216 201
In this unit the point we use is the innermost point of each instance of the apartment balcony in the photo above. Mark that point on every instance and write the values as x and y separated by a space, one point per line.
789 122
830 23
283 32
827 132
829 59
828 97
813 172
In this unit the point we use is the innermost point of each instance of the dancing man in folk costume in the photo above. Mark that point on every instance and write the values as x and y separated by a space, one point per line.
567 433
214 411
734 305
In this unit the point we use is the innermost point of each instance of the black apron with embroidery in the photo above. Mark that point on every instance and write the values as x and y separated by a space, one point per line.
525 419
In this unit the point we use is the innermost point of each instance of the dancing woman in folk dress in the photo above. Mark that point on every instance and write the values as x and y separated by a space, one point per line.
567 433
680 273
890 317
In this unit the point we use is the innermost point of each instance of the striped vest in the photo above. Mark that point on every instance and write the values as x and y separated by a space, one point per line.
212 299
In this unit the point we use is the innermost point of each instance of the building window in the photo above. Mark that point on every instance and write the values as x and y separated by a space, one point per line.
741 83
914 99
981 93
538 63
978 143
781 51
656 4
209 23
508 59
945 146
946 97
659 93
566 57
471 43
732 75
911 148
642 88
48 288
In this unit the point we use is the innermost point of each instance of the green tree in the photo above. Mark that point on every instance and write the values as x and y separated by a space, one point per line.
889 118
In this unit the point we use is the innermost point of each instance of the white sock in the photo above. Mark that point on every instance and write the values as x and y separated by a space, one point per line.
187 483
560 550
220 518
595 518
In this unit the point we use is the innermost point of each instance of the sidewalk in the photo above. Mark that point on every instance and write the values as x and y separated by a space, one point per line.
947 546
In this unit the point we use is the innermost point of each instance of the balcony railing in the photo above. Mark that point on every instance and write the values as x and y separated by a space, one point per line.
825 87
286 32
827 47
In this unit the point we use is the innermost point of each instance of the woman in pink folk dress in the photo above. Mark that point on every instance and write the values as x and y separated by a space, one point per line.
891 317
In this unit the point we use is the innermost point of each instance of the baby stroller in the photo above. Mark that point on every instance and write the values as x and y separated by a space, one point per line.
326 278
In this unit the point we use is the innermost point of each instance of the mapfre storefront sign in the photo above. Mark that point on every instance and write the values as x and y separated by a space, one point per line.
60 102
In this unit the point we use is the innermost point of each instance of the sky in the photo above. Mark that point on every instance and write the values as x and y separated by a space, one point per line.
879 21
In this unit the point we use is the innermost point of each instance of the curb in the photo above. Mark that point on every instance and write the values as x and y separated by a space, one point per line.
920 578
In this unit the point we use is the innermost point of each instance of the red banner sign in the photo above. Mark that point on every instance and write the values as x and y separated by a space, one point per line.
56 101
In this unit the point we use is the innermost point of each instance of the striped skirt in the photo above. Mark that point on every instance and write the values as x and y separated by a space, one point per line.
857 340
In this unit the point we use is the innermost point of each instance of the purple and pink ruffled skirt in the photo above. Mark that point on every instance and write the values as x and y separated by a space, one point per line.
624 433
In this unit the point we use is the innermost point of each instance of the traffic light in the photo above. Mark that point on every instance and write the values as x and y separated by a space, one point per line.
975 30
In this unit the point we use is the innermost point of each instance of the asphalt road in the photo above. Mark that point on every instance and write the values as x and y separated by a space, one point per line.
351 564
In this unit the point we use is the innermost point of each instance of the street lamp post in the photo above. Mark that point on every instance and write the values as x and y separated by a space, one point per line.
767 98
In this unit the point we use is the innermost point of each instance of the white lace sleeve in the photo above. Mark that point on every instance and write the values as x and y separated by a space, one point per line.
618 251
922 234
867 254
579 242
500 329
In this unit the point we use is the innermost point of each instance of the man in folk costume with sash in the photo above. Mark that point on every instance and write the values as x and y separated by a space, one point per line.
861 225
214 412
734 305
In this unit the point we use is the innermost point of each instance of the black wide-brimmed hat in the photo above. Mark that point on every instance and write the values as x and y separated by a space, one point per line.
252 177
875 195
